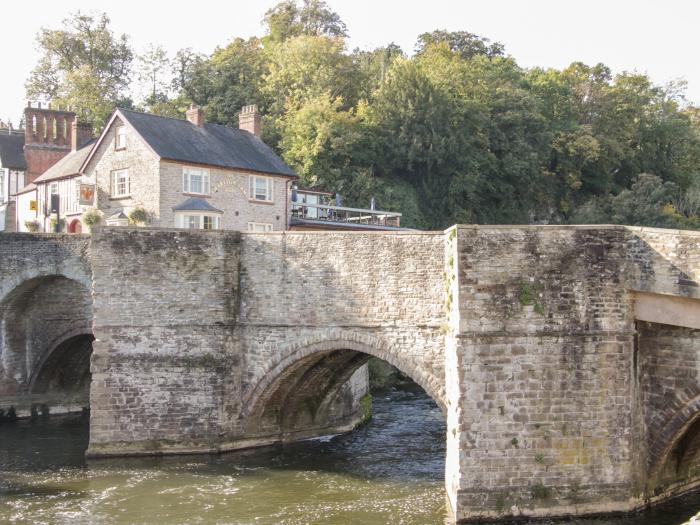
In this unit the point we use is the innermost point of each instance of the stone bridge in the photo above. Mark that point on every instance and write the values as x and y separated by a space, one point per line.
566 359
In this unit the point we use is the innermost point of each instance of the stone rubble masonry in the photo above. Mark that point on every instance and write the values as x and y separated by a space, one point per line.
557 400
156 186
143 166
45 283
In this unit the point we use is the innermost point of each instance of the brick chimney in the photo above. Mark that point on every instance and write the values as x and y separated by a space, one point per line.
47 138
81 133
250 120
195 115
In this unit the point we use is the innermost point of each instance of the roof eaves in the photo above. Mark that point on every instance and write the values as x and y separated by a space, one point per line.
238 168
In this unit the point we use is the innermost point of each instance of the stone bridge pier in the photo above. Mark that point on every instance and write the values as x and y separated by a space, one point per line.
566 359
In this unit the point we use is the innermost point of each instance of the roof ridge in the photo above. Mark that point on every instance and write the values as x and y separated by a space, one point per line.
152 114
182 119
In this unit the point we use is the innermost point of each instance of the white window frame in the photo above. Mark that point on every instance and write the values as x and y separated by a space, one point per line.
259 227
188 173
114 184
192 220
4 176
269 194
120 137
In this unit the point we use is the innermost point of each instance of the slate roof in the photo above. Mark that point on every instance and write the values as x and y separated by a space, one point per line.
211 144
196 204
68 165
12 151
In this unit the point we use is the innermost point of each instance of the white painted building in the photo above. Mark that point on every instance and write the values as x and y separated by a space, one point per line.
12 174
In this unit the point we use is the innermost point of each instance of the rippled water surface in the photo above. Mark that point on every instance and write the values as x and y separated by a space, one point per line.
388 472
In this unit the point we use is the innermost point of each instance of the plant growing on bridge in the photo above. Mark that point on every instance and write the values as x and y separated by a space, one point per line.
539 491
92 217
527 294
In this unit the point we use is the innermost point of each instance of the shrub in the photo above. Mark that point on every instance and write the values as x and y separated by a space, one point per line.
92 217
138 216
32 226
61 224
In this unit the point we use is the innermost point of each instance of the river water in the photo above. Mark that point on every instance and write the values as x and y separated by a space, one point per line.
388 472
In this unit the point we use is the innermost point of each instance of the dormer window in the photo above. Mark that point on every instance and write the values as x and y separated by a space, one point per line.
195 180
120 137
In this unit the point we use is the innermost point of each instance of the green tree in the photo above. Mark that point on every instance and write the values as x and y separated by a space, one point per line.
231 78
154 72
289 19
646 203
467 44
372 67
308 67
83 65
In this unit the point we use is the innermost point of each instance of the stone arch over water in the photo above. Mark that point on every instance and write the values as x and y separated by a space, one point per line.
303 387
45 344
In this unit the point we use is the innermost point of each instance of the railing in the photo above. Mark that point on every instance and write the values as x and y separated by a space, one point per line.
322 212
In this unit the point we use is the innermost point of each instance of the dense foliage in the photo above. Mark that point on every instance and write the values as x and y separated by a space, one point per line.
456 132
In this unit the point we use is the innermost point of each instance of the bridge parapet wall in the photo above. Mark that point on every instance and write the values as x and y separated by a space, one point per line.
663 261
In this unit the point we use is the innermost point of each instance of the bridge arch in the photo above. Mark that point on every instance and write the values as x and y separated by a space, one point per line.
45 343
302 385
674 455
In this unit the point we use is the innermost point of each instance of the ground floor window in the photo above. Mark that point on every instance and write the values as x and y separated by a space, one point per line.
198 221
259 227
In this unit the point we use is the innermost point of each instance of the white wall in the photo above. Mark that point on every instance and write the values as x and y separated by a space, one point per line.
23 212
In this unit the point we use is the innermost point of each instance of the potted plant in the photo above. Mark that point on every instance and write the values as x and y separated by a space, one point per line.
92 217
61 224
138 216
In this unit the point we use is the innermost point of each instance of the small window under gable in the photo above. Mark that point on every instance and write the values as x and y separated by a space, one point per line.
120 137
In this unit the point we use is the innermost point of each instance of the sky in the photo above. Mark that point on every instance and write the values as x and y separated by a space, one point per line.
657 38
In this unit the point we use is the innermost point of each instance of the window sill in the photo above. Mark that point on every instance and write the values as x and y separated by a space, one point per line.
193 194
256 201
121 198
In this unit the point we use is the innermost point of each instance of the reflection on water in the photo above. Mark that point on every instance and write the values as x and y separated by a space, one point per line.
388 472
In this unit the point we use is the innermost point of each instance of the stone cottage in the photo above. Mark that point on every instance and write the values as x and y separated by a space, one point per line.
182 173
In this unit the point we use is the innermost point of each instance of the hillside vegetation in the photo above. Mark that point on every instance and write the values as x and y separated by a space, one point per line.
453 131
